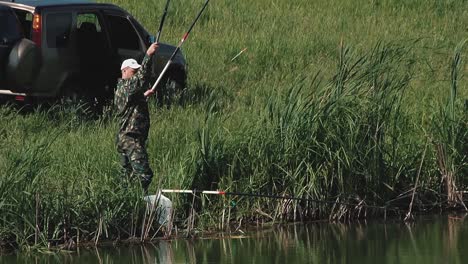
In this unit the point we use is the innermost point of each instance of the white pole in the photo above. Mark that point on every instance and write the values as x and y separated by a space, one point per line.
161 74
191 191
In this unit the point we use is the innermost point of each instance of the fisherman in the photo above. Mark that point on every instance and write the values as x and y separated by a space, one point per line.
132 110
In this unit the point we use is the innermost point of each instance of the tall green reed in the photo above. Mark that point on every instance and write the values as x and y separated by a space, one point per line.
45 200
337 140
450 136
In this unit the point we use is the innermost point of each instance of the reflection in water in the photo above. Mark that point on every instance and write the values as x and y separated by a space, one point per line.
454 223
429 240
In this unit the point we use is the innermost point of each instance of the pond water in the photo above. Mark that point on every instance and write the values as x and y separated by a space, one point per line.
431 239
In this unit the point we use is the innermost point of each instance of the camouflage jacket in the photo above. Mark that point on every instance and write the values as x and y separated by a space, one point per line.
131 105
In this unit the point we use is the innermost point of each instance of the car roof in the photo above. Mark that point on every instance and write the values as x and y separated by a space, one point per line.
4 7
32 5
38 3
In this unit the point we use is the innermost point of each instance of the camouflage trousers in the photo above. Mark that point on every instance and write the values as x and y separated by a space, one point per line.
134 160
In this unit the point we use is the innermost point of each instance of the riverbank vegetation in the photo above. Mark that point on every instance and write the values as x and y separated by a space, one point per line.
360 107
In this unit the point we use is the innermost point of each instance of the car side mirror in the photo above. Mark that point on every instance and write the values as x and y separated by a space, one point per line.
151 39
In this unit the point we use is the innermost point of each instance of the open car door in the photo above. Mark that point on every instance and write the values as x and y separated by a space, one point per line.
125 40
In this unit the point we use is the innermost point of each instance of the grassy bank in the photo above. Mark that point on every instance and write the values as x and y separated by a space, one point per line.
359 103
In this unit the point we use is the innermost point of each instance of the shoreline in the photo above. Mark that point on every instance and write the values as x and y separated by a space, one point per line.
249 227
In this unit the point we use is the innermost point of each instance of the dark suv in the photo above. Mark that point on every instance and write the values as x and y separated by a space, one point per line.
73 49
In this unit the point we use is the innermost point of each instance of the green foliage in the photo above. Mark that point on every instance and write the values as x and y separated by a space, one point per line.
332 100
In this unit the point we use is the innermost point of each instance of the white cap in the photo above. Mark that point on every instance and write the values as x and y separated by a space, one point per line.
130 63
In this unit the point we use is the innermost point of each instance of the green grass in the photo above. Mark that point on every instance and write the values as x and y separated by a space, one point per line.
333 100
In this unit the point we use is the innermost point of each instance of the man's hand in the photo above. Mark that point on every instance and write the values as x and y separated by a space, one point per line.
149 93
152 49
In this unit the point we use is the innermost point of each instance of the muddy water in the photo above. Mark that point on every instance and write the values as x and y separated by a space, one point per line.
432 239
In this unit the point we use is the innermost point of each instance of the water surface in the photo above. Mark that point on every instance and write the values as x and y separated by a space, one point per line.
434 239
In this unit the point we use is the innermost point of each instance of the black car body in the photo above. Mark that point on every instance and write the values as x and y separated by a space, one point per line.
75 47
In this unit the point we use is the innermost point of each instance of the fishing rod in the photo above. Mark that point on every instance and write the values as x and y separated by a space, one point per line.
158 35
272 196
147 93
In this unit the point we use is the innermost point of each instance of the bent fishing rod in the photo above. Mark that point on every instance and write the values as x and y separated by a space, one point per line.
158 35
177 48
272 196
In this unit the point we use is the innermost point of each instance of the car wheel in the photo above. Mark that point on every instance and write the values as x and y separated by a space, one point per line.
72 98
172 88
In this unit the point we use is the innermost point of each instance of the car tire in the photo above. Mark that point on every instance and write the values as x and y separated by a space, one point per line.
171 88
73 95
73 98
23 65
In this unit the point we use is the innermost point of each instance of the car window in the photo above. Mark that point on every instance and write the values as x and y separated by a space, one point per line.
25 18
122 33
141 30
88 21
58 27
90 40
9 27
